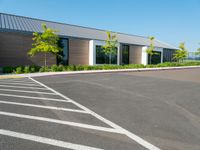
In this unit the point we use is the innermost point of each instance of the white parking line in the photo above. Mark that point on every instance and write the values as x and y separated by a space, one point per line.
15 79
28 91
28 82
18 84
134 137
75 124
45 107
35 98
48 141
23 87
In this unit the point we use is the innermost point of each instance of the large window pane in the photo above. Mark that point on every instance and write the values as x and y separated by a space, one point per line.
155 59
168 55
63 43
125 54
102 58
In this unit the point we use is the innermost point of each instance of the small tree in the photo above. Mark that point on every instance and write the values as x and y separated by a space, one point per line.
181 53
46 42
198 51
110 48
151 49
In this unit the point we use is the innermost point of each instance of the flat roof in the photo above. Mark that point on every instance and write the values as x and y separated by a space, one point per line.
9 22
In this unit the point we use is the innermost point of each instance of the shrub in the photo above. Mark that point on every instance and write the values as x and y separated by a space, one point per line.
150 66
19 70
26 69
85 67
54 68
34 68
134 66
8 69
61 68
44 69
71 68
79 68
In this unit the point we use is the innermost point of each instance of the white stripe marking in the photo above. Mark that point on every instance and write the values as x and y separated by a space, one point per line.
28 91
28 82
45 107
134 137
44 140
19 84
23 87
16 79
36 98
75 124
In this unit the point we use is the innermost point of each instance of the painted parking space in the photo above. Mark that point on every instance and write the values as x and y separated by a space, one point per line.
39 105
163 111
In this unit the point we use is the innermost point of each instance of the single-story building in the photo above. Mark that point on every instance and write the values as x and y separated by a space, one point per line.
81 45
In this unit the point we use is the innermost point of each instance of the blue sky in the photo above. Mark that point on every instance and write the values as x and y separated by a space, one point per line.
171 21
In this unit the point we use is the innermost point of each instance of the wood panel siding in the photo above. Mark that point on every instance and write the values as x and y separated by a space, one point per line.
14 48
78 52
135 54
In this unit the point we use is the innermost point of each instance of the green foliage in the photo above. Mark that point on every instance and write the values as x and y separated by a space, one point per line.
34 68
26 69
56 68
173 64
47 42
44 69
151 49
8 69
19 70
181 53
60 68
197 52
110 48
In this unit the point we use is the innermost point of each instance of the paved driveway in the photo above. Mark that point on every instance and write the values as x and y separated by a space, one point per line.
132 111
34 116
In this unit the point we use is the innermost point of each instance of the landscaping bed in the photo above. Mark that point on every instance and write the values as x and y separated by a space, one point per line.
60 68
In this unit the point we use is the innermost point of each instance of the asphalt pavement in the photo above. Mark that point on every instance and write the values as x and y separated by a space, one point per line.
34 116
112 111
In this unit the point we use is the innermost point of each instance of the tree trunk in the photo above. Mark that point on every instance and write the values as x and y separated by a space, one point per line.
45 60
110 59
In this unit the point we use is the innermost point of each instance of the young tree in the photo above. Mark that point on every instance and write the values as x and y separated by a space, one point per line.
46 42
151 49
110 48
181 53
198 51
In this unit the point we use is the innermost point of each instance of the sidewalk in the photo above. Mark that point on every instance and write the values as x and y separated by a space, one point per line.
92 71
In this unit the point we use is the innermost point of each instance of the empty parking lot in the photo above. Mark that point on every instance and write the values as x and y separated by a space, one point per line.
125 111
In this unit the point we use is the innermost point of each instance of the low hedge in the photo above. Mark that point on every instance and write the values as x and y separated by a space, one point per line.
59 68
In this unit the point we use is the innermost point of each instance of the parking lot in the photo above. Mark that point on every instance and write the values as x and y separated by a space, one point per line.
112 111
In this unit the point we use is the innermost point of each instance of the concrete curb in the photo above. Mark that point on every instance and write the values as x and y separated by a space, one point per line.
94 71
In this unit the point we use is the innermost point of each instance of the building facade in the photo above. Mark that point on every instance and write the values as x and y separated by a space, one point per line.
81 45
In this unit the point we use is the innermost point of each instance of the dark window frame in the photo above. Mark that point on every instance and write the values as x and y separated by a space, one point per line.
126 61
63 61
105 58
155 56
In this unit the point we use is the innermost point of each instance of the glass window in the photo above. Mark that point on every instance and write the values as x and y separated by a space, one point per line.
102 58
168 55
63 43
155 59
125 54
